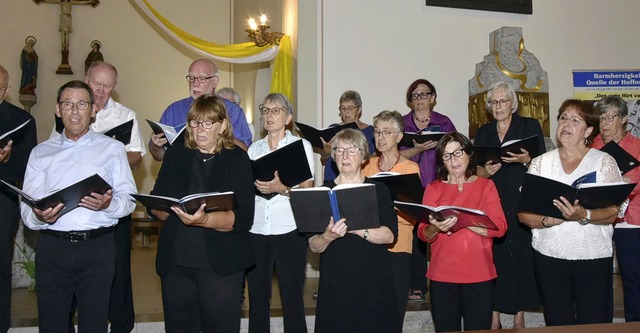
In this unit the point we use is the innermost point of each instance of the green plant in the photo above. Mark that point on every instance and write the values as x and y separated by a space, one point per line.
28 264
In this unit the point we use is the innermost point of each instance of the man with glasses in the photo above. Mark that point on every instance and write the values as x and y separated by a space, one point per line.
77 251
203 79
102 77
13 160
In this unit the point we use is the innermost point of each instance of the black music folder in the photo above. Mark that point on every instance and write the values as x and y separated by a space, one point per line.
291 163
405 188
15 134
626 162
216 201
422 137
467 217
358 203
313 134
493 154
121 132
170 132
537 194
70 195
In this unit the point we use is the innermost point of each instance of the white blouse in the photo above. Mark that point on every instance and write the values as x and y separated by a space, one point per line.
571 240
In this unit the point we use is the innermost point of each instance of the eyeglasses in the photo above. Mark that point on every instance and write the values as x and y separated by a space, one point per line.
384 134
101 85
80 105
348 108
457 153
200 79
274 110
502 103
574 121
421 95
351 151
205 124
609 118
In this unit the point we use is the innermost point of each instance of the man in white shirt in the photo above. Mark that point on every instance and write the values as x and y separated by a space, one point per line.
102 77
76 252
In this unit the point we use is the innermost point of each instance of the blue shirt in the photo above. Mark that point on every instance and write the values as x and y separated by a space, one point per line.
58 163
176 114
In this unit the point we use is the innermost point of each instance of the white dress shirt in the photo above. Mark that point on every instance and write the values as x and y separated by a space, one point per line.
58 163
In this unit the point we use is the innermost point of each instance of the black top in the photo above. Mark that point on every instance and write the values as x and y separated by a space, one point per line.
229 170
10 117
515 288
356 290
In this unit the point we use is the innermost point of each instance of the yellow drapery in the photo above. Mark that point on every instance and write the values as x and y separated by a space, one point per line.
234 53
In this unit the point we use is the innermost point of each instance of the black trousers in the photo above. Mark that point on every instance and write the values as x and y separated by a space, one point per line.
627 242
400 267
199 300
83 270
574 291
418 277
121 312
288 254
8 227
470 302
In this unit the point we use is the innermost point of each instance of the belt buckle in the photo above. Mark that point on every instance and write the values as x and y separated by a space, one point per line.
75 236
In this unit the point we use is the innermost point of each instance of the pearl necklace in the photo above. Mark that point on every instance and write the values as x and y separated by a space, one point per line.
394 164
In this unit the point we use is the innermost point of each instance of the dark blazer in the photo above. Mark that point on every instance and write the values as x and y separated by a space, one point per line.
228 252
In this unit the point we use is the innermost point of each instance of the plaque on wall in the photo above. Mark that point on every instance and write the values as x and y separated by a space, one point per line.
507 6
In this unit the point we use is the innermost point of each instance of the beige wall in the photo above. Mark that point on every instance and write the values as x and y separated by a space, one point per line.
374 46
379 47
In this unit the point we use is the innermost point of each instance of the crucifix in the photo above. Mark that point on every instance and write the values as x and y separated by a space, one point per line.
66 27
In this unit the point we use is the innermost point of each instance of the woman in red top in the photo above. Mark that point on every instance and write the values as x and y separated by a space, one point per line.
461 269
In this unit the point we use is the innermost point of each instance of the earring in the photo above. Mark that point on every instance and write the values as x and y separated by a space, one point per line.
586 141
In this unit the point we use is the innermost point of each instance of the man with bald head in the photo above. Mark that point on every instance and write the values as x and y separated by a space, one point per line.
203 79
13 161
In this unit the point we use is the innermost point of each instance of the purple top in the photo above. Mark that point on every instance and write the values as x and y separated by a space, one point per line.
176 114
427 159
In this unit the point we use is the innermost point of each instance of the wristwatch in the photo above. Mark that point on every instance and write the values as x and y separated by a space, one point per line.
365 234
587 219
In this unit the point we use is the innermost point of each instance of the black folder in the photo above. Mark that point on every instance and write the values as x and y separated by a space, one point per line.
291 163
358 203
406 188
493 154
171 133
422 137
626 162
537 194
121 132
15 134
313 134
215 201
70 195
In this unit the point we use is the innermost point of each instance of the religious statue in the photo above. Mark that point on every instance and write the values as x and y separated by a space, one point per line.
509 61
29 66
66 27
94 55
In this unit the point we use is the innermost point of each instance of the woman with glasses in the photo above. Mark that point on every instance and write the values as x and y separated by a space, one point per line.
202 257
614 115
356 291
276 240
421 98
573 256
515 289
350 110
462 272
388 129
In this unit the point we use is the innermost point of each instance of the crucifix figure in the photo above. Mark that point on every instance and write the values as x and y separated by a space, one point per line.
66 28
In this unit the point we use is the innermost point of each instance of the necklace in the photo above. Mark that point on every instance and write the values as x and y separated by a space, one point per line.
460 185
202 155
394 164
420 120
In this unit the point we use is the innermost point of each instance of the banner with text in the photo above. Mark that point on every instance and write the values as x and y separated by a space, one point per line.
595 84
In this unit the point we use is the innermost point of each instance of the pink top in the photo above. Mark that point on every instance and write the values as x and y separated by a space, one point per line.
464 256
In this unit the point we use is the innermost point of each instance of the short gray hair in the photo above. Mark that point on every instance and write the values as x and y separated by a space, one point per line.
393 116
507 88
230 93
279 99
354 137
614 103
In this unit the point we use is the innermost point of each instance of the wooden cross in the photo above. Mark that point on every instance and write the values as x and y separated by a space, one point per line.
66 28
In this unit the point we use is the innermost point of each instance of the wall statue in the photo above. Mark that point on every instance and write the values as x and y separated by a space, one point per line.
509 61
